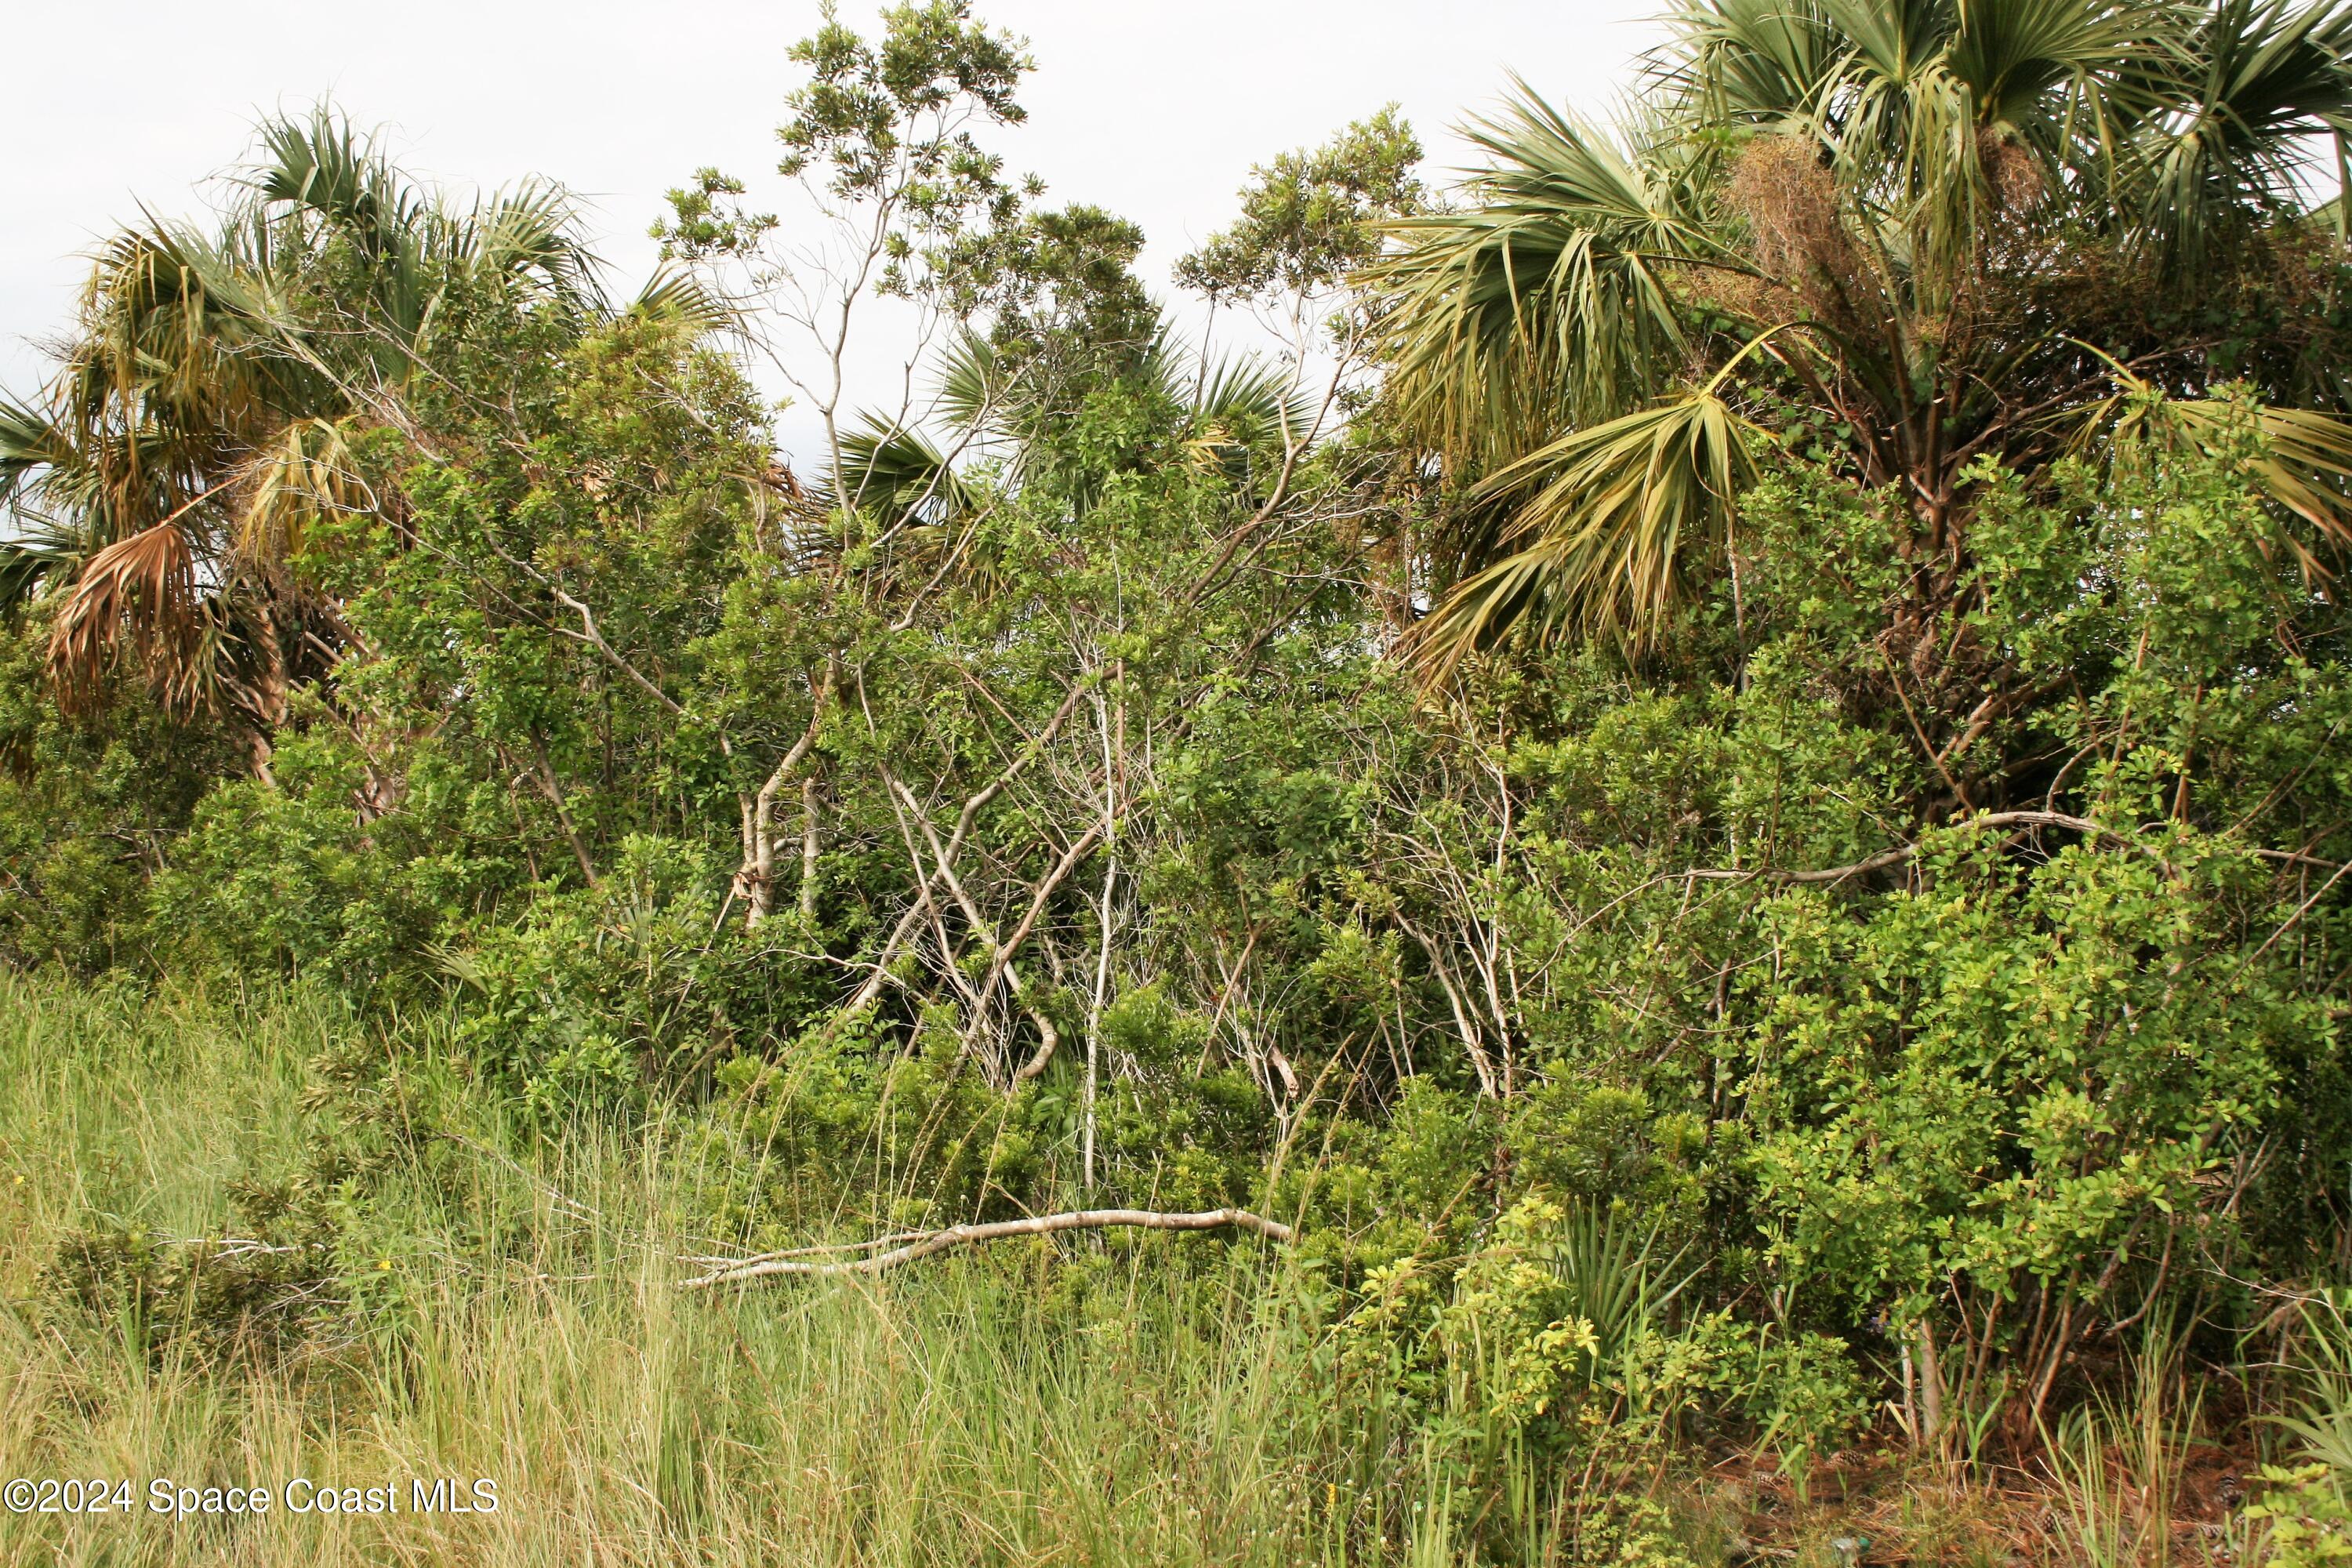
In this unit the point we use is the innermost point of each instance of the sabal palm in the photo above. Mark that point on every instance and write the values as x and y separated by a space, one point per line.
1939 230
201 420
1233 414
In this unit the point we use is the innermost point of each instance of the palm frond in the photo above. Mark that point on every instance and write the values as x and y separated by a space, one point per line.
1604 528
684 299
892 471
2258 84
1251 404
528 238
2301 457
972 389
34 558
143 587
29 442
307 475
1546 300
321 166
1753 63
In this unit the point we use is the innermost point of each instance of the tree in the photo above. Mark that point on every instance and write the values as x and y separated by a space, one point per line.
1902 236
202 420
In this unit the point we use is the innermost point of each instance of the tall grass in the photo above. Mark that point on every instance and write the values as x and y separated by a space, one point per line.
510 1311
1016 1407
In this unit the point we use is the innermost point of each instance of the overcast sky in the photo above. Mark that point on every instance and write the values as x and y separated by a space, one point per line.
1155 109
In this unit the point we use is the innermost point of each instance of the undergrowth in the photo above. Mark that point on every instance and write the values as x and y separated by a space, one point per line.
212 1281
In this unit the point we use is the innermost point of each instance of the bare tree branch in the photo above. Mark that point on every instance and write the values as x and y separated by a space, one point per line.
770 1264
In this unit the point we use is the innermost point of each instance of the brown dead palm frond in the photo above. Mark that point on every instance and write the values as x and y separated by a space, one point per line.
141 588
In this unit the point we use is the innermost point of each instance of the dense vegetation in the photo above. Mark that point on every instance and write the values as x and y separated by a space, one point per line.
1717 786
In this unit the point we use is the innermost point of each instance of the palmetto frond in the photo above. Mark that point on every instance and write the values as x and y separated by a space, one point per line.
37 555
2258 82
322 178
1754 63
527 241
1602 524
1236 412
2301 457
323 165
306 476
29 443
1551 295
972 386
682 299
2304 465
1250 404
143 587
893 471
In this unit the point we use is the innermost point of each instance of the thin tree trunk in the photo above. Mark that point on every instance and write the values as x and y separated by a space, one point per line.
554 791
1931 1388
809 823
1110 883
756 880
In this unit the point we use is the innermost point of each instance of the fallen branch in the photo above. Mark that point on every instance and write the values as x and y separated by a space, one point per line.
225 1249
923 1245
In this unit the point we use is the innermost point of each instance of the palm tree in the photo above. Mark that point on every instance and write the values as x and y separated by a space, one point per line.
1236 415
200 421
1927 231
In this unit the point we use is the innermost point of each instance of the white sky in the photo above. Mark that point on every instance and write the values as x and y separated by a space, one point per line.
1154 109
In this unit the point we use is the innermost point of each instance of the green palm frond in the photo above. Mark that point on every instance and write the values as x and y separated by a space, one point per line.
892 471
321 165
2026 61
29 443
1549 295
2258 83
2300 457
974 388
528 238
35 557
1605 527
2305 461
684 299
1753 63
1250 404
